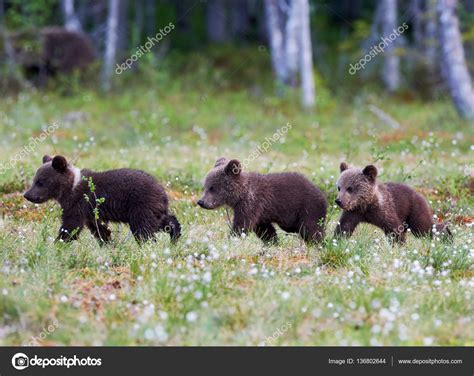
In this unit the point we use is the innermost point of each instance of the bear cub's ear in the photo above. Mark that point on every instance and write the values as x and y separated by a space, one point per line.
343 166
371 172
59 163
47 158
233 168
220 161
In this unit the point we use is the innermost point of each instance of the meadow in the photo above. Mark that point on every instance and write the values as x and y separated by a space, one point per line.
210 288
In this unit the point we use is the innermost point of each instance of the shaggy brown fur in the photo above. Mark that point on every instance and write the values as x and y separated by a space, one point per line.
131 196
393 207
52 50
287 199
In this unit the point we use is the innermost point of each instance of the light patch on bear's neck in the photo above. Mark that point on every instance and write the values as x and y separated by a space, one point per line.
77 175
379 195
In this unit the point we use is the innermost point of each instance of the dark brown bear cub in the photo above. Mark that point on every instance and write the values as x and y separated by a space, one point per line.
129 196
287 199
393 207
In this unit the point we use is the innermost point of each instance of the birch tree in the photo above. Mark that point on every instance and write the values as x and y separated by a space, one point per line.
292 41
111 43
453 59
306 56
71 21
276 38
391 66
384 22
290 44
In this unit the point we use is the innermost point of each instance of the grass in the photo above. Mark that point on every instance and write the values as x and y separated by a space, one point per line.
211 289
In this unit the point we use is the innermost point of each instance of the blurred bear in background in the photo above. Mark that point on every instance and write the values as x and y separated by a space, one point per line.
48 52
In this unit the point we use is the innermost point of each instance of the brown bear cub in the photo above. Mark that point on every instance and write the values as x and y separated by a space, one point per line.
393 207
287 199
126 196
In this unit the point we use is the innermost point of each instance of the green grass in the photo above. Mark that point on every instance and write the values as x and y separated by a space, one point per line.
211 289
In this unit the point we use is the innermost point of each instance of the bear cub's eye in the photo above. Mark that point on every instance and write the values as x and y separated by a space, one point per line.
211 188
338 188
39 183
350 189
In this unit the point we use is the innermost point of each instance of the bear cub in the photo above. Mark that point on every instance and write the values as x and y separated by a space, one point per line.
393 207
128 196
258 201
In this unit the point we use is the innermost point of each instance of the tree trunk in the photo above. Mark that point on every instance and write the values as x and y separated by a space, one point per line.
216 21
391 67
292 42
452 54
306 58
111 43
71 21
276 39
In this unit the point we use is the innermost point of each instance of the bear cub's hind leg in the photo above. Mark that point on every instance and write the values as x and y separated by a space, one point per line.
267 233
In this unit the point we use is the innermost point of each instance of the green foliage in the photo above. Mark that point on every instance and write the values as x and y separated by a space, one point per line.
22 14
97 201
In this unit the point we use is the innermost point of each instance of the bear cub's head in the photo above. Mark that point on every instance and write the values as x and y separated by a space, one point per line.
54 178
356 188
223 184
